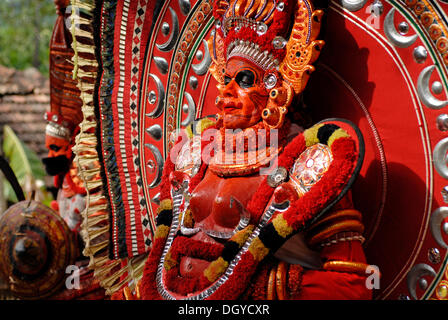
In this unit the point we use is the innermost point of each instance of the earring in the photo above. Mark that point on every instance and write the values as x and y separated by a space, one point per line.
279 100
274 117
218 119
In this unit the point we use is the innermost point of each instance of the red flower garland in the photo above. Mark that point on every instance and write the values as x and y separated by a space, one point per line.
257 204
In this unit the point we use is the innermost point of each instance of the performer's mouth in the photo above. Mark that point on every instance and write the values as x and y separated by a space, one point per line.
231 106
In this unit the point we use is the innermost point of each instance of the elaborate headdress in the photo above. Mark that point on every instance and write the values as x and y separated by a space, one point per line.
57 126
65 113
260 31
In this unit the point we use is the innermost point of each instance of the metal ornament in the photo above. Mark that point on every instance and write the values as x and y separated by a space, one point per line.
403 28
158 110
270 81
191 110
155 131
193 82
280 6
424 92
277 177
261 28
35 250
202 67
434 255
420 54
160 162
161 64
415 275
199 55
435 223
353 5
152 97
437 87
279 42
185 6
393 35
169 45
165 28
444 193
442 122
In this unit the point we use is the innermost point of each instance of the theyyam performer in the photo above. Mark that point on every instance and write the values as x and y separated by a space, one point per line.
252 205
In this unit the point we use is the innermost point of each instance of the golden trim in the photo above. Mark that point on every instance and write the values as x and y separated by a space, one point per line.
300 51
281 277
350 225
335 215
244 167
270 291
346 266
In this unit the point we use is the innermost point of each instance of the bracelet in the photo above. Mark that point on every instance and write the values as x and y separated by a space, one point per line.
343 236
284 281
346 266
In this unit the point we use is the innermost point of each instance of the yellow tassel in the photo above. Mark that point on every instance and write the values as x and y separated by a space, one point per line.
339 133
162 232
281 226
215 269
258 249
241 236
311 135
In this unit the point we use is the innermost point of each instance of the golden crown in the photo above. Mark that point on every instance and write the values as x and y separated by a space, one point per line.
260 31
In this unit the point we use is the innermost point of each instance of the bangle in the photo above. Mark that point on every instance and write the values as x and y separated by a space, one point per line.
346 266
281 275
270 292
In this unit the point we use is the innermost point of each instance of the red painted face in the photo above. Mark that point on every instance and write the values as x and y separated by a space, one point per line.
57 147
243 95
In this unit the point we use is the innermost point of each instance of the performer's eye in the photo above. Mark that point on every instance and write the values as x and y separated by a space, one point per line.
54 147
245 79
227 80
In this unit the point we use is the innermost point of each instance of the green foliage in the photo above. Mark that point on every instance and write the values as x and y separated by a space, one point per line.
26 165
25 31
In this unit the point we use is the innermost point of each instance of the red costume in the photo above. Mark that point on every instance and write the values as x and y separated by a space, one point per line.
225 229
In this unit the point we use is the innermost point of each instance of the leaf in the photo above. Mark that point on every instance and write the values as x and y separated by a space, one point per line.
23 161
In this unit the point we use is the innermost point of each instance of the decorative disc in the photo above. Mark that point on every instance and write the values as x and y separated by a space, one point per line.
311 166
35 249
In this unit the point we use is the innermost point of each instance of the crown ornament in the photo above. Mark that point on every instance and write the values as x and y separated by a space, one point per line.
251 51
57 126
274 35
55 130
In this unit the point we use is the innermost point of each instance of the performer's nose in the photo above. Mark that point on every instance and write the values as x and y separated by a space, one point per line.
230 89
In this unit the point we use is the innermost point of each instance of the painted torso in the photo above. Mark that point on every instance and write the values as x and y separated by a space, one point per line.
212 210
210 202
